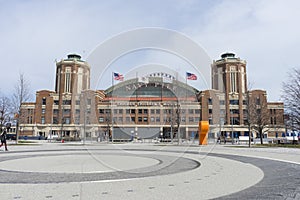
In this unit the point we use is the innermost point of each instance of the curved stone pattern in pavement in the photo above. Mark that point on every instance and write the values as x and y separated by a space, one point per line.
281 180
166 165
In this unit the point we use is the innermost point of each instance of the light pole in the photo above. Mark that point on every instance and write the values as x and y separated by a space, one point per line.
178 122
172 123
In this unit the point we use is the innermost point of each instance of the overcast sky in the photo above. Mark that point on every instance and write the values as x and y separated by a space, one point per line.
33 34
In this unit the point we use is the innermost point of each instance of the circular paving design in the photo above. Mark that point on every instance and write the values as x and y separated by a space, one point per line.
81 163
83 166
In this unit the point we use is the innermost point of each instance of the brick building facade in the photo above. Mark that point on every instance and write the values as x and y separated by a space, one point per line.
148 109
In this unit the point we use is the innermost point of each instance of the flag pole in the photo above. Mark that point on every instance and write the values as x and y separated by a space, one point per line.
186 86
111 110
161 91
137 88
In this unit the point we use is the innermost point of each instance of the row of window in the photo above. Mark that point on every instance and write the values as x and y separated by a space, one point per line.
66 120
146 111
231 102
147 119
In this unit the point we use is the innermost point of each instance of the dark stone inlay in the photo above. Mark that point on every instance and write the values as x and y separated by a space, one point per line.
167 165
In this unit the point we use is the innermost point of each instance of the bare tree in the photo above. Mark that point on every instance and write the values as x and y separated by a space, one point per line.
20 95
258 114
291 98
5 106
248 110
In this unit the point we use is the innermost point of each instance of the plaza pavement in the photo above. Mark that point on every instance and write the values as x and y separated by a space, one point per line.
141 171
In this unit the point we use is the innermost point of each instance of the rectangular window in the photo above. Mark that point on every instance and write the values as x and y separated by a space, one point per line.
77 111
145 111
127 119
88 121
234 121
140 119
55 120
258 111
271 120
209 101
145 119
222 102
44 101
234 102
152 119
152 111
157 111
101 119
77 120
132 111
67 120
222 111
56 102
120 119
66 111
191 119
55 111
68 80
197 111
120 111
43 111
66 102
30 120
191 111
101 111
77 102
235 111
133 119
43 120
89 101
257 101
157 119
127 111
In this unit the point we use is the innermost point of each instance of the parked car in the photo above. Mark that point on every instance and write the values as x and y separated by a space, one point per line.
52 137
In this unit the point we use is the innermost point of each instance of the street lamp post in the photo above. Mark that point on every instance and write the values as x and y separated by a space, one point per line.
178 122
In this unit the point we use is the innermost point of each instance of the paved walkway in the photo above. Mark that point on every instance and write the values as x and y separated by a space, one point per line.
139 171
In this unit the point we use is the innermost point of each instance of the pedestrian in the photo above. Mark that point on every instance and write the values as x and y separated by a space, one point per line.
3 139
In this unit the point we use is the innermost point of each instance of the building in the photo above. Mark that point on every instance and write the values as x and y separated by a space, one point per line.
152 107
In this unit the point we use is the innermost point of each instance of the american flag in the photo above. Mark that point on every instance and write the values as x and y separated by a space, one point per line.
191 76
118 76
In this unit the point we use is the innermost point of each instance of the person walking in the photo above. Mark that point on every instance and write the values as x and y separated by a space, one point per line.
3 139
